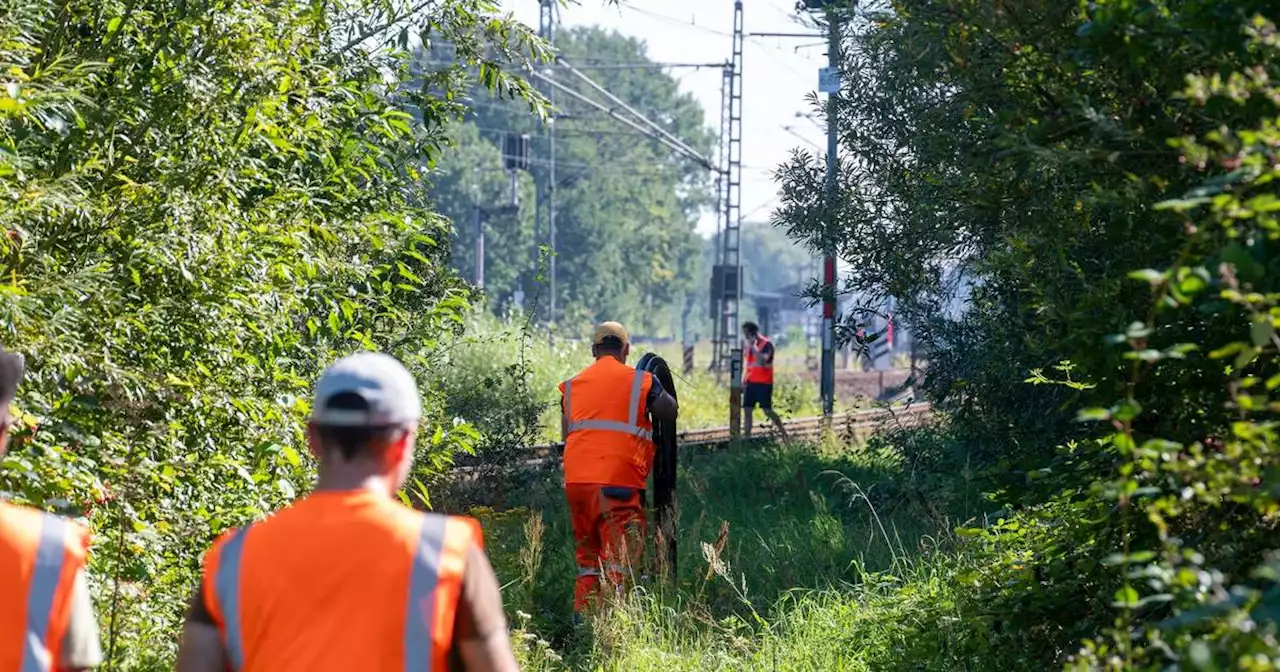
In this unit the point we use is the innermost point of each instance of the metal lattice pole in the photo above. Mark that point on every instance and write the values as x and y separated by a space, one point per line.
731 348
722 183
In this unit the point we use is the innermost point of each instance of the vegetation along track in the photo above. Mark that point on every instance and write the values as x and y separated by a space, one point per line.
846 425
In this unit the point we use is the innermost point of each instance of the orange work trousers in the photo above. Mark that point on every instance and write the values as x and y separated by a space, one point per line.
609 532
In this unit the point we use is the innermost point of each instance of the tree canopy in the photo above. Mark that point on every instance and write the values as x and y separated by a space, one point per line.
626 208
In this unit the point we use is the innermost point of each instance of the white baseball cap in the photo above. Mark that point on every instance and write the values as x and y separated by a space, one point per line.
386 387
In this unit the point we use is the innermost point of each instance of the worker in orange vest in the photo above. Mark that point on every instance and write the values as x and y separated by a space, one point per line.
347 578
608 434
46 615
758 390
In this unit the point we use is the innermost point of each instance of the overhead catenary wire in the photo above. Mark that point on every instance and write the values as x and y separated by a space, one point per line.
650 170
631 65
629 122
674 21
792 130
751 38
647 66
568 130
689 151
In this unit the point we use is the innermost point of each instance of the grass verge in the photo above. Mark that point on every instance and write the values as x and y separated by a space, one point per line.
803 558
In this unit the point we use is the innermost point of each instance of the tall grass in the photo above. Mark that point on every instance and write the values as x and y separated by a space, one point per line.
789 559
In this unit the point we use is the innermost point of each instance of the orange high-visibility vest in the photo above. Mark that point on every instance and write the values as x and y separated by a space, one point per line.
759 371
339 581
610 438
40 555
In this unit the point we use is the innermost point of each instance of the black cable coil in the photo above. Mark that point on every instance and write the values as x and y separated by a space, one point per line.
664 470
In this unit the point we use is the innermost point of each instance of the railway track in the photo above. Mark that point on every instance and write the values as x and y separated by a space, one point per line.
845 425
807 428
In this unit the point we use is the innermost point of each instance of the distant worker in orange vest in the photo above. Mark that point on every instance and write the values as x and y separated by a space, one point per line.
758 387
608 433
347 578
47 622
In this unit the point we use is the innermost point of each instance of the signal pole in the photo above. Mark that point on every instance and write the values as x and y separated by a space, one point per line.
547 31
515 157
829 83
829 257
730 291
717 285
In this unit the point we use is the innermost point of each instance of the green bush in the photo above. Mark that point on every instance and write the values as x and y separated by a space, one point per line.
203 205
1102 174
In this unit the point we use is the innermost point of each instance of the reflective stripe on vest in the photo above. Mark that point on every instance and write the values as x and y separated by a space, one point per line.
420 605
420 602
50 556
631 427
227 592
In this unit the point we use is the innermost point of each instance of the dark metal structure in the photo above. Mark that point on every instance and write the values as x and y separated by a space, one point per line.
665 439
547 16
727 274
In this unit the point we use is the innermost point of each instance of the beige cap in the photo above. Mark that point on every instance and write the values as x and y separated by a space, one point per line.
607 330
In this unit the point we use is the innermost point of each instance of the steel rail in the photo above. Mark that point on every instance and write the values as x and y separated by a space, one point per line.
855 422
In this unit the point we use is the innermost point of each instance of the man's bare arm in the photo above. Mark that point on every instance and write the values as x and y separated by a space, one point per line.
201 649
665 407
81 649
564 422
491 654
481 638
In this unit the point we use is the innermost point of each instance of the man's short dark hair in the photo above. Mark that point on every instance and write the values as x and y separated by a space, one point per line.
751 327
353 441
609 345
11 369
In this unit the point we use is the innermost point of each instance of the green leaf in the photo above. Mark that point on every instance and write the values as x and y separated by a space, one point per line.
408 274
1261 332
1127 410
1245 358
1192 285
424 496
1247 268
1227 350
1182 204
1148 275
1201 657
1126 598
1093 415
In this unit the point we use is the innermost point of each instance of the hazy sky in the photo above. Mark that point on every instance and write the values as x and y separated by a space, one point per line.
777 73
